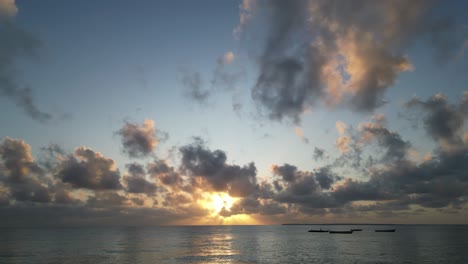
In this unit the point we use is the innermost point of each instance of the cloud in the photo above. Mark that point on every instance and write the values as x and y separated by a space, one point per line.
302 186
227 58
211 167
341 127
343 141
17 43
298 182
193 83
316 51
63 197
8 8
437 182
245 9
139 140
251 205
135 169
226 76
443 121
30 190
136 182
326 178
20 174
25 100
448 38
81 189
167 175
298 131
90 170
352 190
396 147
318 153
50 155
61 187
106 200
17 159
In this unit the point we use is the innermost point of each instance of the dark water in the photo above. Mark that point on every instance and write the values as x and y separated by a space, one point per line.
234 244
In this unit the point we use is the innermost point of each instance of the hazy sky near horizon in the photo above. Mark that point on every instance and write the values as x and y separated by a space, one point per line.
233 112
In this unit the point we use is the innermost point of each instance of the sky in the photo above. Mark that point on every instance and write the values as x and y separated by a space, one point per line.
233 112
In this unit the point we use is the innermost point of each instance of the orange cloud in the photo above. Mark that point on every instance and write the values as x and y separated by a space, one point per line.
8 8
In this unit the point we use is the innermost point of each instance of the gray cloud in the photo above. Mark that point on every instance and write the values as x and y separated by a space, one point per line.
63 196
199 161
17 43
443 121
139 140
287 172
325 177
318 153
89 169
194 86
252 205
446 36
352 190
30 190
336 53
224 78
293 178
166 174
224 75
135 169
396 148
106 199
48 159
303 188
136 182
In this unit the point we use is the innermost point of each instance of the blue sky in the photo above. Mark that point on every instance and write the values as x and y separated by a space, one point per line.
248 78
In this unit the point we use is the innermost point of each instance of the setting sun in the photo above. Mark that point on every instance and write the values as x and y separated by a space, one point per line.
216 201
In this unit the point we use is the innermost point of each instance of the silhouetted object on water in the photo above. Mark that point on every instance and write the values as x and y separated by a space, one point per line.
356 229
318 230
341 232
385 230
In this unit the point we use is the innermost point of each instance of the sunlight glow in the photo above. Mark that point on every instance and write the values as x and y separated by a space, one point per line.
215 202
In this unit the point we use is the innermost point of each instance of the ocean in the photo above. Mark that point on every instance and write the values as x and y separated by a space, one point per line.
235 244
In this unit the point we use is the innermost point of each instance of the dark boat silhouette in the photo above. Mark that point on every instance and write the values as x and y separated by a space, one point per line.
385 230
341 232
356 229
318 231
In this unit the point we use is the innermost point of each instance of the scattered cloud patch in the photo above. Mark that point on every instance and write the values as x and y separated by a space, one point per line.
139 140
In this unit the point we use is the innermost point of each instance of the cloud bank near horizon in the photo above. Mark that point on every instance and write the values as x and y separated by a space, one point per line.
58 186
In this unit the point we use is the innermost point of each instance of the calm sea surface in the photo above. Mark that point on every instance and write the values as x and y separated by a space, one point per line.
234 244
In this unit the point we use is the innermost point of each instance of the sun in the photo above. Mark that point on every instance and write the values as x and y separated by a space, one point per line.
215 202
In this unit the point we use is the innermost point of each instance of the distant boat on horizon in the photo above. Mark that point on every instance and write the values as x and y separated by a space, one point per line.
385 230
318 230
356 229
341 232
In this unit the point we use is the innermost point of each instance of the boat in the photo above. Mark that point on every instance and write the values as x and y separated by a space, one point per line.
318 230
385 230
341 232
356 229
